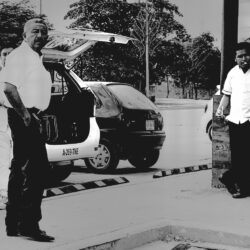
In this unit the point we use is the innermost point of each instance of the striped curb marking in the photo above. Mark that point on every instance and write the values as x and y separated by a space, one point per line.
83 186
183 170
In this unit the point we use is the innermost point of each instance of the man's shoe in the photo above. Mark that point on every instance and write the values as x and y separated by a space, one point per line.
12 233
37 235
239 195
12 230
231 187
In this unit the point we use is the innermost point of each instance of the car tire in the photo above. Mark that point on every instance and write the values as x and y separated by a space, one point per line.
145 160
210 132
107 159
59 173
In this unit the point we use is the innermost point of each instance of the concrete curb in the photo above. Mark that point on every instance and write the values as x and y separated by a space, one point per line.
183 170
83 186
136 236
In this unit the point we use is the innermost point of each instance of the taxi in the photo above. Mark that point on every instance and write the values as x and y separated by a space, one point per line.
69 122
131 127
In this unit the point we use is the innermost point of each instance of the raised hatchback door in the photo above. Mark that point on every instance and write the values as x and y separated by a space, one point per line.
69 44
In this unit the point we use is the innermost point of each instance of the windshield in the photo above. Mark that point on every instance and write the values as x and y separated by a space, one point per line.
131 98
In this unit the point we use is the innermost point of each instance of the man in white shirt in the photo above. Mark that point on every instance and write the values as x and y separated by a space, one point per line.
28 89
3 54
5 139
237 91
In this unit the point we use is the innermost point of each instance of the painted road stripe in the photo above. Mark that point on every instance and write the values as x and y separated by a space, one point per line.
56 191
196 168
79 187
100 183
182 170
83 186
120 180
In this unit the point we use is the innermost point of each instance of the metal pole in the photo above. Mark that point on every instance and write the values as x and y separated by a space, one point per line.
40 7
147 52
229 37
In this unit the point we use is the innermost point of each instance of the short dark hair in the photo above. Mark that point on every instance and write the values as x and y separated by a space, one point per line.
243 45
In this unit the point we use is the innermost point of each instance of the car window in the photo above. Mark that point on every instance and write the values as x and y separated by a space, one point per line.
108 106
131 98
64 43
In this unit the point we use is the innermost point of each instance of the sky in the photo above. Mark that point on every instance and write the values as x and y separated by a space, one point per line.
198 16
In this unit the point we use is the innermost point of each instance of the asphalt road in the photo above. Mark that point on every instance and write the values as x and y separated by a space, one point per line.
186 145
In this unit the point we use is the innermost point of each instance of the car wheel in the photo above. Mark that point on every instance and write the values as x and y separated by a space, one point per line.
107 159
145 160
59 173
210 132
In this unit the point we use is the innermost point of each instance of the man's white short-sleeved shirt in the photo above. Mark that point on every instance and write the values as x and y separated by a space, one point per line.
237 85
24 69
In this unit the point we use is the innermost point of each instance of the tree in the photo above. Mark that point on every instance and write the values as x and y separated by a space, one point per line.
124 63
205 58
12 18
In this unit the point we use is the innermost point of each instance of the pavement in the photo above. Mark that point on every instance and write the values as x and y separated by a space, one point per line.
181 102
129 215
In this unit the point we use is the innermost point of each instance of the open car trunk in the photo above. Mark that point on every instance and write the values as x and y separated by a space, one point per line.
72 107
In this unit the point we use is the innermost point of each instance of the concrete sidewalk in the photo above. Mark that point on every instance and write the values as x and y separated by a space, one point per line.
127 216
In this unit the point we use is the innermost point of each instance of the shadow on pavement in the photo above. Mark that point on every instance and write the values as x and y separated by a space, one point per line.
118 171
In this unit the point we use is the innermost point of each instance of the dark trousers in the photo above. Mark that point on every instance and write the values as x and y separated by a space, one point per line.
240 152
28 171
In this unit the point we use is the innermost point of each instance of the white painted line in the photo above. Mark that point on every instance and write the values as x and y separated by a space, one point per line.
45 193
196 168
56 191
100 183
119 180
168 172
182 170
79 187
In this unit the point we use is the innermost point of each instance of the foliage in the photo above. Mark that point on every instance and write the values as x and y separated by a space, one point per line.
13 15
205 61
125 63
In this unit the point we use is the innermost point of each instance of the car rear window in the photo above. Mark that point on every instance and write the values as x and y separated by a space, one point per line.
64 44
131 97
107 106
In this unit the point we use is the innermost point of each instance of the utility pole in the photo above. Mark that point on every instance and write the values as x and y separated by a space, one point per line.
229 37
40 9
221 153
147 52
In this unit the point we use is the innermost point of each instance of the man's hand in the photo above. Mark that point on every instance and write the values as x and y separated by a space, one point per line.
27 119
219 113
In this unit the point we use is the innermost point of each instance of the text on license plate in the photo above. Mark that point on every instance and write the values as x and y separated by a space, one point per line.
150 124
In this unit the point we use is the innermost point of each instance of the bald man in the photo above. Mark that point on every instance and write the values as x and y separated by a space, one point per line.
27 88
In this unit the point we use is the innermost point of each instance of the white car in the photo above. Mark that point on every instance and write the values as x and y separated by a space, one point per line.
207 118
70 123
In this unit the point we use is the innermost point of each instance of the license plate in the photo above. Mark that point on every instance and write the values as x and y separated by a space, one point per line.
150 124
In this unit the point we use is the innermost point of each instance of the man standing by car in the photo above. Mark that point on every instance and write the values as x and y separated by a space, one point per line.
3 55
237 91
5 140
28 89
